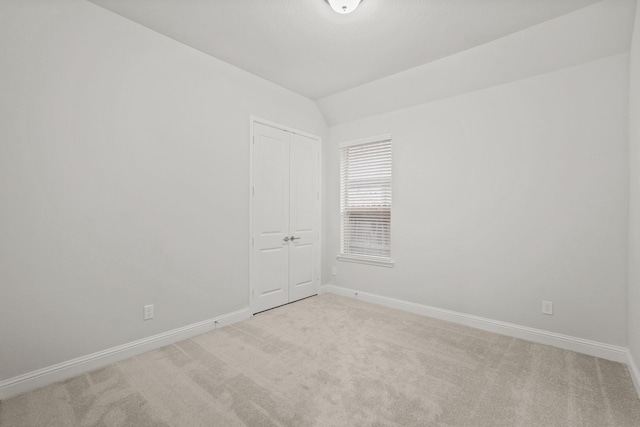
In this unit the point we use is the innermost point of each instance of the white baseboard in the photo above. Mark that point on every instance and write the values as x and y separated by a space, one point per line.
62 371
580 345
633 371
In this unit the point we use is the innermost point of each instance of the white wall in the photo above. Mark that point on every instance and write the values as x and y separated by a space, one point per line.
634 214
505 197
124 178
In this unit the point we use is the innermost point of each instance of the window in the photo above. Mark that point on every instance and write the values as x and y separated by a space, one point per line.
365 201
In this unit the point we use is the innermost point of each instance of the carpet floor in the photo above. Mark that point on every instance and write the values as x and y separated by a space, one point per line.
335 361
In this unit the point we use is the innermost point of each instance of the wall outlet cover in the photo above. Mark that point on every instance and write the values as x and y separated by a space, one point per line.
148 312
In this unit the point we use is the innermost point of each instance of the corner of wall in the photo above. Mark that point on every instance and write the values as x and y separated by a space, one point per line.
633 297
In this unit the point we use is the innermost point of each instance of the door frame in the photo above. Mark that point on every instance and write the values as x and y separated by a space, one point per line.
252 120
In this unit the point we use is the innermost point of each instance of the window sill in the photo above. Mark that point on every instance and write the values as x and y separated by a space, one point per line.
363 260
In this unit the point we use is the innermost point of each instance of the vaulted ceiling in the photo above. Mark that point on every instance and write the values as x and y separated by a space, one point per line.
304 46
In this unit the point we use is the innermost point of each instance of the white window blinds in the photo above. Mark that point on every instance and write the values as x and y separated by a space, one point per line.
365 199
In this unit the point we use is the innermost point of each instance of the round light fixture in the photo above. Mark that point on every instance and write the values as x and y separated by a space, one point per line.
343 6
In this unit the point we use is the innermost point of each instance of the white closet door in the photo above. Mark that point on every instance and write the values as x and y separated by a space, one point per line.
270 270
304 215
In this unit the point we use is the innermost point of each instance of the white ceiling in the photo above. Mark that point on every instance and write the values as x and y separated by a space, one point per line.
304 46
598 31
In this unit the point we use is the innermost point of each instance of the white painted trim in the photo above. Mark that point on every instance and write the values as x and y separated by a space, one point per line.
367 140
255 119
380 262
252 120
580 345
633 371
62 371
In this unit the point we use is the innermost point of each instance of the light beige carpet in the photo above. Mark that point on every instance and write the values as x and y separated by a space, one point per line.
335 361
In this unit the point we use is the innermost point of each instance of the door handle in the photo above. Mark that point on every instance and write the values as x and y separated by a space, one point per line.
294 238
286 239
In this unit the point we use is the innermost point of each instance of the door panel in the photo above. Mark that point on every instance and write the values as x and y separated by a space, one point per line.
270 273
302 271
304 202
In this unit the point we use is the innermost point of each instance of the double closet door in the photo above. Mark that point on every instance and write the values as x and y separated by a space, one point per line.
285 262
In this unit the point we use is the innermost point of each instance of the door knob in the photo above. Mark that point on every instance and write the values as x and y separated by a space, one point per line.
286 239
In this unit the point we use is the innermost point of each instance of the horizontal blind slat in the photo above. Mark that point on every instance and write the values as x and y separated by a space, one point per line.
365 199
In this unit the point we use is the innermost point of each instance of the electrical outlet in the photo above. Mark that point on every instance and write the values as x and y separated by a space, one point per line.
148 312
547 307
334 270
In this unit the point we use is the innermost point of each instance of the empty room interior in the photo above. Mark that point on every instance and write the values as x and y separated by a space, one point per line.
320 213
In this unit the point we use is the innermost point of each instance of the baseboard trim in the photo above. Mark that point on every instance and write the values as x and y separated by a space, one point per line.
580 345
62 371
633 371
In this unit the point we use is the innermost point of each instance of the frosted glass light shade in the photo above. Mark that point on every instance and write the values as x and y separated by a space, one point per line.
344 6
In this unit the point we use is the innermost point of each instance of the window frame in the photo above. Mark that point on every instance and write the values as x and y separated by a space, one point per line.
364 259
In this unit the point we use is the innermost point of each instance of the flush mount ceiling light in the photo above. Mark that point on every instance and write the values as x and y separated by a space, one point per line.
343 6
